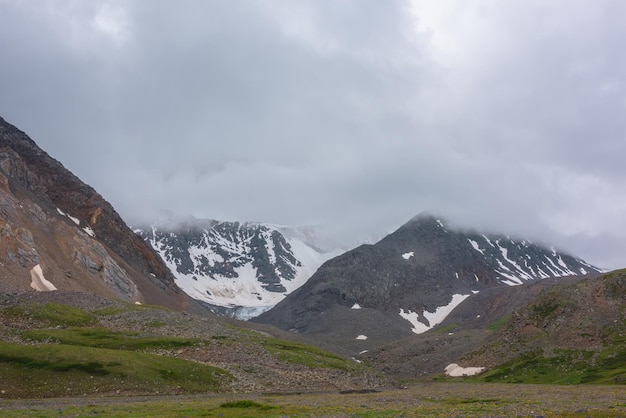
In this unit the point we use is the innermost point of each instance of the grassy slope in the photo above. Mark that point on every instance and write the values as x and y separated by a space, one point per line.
569 335
59 350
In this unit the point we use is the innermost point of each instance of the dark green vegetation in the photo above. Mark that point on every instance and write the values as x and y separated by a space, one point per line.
495 326
51 314
53 370
105 338
563 367
246 403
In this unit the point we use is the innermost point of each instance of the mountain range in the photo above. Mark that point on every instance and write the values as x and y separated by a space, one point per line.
427 296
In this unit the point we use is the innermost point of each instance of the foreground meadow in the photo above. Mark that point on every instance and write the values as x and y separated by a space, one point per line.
436 399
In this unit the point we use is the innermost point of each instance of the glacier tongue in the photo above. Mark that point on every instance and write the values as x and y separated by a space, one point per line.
241 269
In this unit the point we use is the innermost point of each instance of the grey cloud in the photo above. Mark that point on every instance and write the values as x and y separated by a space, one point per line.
333 112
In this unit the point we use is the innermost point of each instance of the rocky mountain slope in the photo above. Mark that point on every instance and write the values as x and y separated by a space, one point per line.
59 233
238 269
470 326
570 333
410 281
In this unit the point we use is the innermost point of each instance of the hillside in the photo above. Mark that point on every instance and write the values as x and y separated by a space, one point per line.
569 334
59 233
55 344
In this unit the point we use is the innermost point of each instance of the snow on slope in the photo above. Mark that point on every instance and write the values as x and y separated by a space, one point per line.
517 262
432 318
246 267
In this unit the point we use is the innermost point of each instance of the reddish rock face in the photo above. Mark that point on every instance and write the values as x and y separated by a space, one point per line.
48 216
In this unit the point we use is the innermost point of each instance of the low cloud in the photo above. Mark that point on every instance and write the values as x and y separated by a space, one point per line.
500 115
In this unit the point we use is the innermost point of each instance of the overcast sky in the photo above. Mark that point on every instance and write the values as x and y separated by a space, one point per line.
506 115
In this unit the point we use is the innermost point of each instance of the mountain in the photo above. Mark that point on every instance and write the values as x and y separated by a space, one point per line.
237 269
59 233
410 281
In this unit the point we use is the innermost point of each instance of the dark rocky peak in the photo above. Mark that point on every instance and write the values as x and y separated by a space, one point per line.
414 278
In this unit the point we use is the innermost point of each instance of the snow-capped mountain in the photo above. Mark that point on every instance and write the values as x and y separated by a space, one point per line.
411 280
238 269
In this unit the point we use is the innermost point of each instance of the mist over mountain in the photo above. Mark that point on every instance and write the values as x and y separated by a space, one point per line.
411 280
238 269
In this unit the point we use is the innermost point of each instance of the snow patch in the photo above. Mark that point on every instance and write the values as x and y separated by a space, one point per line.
356 306
361 337
406 256
433 318
454 370
89 231
39 283
475 246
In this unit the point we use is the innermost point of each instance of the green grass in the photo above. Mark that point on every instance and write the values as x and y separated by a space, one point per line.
446 329
562 367
104 338
51 314
56 314
313 357
245 404
53 370
495 326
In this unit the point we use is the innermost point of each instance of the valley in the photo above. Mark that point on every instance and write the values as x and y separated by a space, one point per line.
94 314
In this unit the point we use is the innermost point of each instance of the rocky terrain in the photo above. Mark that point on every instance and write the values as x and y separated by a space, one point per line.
410 281
566 330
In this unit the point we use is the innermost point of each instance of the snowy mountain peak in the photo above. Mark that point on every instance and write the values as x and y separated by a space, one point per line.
239 269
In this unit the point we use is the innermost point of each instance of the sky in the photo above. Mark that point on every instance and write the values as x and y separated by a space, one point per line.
507 116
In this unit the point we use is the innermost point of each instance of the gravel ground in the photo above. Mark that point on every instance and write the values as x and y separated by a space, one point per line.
424 399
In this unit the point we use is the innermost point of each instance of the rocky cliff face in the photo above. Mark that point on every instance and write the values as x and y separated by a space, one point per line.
411 280
51 219
238 269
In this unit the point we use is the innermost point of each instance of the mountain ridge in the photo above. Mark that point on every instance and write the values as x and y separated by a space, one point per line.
411 280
